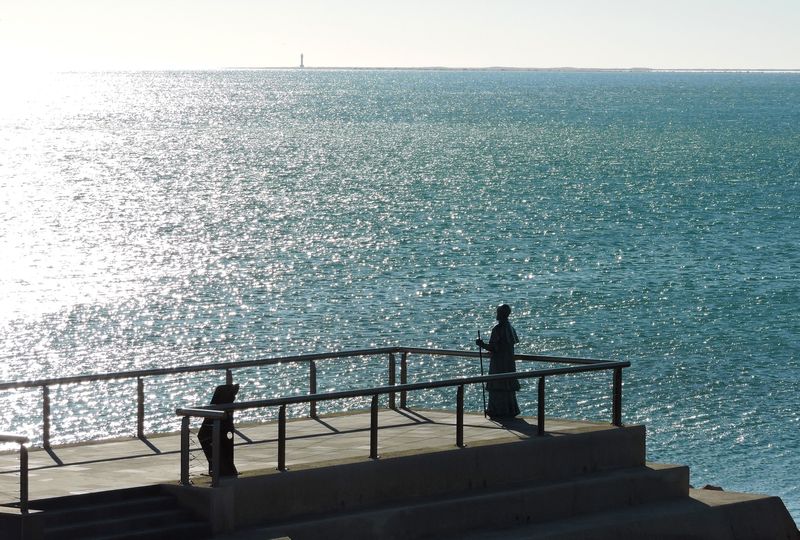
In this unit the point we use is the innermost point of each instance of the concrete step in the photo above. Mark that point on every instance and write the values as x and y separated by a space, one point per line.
704 515
149 520
494 508
178 531
101 510
131 513
97 497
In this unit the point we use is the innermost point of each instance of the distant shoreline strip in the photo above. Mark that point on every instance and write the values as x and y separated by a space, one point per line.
523 69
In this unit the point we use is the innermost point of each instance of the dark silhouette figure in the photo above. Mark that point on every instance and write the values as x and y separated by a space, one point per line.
502 394
224 393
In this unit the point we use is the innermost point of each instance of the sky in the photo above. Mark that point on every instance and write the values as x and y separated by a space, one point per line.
209 34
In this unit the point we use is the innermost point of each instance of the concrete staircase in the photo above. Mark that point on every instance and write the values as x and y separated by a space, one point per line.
587 482
140 513
703 515
500 508
593 485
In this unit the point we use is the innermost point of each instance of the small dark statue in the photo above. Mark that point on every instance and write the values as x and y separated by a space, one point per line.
224 393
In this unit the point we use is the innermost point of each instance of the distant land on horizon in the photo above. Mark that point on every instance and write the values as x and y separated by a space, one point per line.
508 68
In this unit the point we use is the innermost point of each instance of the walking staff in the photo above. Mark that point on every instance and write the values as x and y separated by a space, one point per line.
483 384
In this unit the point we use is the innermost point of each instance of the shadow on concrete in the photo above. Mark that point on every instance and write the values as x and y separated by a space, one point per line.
519 425
60 463
53 455
327 425
365 429
413 415
243 436
150 445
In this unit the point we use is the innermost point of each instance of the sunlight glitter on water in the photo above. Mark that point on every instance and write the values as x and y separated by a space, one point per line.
164 219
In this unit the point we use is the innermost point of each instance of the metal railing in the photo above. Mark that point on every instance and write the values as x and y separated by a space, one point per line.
21 440
216 436
229 367
218 412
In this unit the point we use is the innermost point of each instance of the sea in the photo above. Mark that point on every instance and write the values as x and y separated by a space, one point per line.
160 219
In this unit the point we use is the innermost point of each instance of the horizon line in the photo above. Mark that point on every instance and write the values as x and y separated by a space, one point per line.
566 69
515 68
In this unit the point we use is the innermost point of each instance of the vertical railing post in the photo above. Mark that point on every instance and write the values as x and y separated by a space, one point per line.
185 450
46 416
23 478
216 446
540 407
312 387
616 406
392 374
460 417
228 377
282 438
140 407
373 428
403 378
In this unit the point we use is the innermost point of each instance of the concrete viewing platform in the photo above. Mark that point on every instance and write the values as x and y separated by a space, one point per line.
580 479
126 463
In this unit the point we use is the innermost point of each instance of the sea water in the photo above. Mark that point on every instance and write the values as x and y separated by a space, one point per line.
174 218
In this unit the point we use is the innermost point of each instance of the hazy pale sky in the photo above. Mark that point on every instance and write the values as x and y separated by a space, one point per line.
176 34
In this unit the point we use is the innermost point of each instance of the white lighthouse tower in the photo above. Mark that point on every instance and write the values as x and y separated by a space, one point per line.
301 61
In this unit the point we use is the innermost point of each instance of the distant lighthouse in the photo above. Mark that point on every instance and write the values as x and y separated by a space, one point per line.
301 61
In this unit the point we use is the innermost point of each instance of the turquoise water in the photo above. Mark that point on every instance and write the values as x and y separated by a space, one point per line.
161 219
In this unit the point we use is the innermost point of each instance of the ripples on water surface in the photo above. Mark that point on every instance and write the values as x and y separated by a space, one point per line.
162 219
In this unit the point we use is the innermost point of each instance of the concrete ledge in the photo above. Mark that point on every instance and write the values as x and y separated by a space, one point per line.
749 515
348 487
708 515
361 484
496 509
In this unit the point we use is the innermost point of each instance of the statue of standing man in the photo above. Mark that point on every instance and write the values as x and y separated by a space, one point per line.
502 394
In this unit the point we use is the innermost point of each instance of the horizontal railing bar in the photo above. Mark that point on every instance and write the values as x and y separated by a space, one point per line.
75 379
523 357
13 438
193 368
201 413
345 394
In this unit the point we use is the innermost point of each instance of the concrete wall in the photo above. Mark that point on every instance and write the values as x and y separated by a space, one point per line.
249 501
481 510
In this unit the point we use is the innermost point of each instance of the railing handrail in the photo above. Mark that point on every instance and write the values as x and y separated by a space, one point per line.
13 438
241 364
215 366
427 385
374 393
201 413
310 359
523 357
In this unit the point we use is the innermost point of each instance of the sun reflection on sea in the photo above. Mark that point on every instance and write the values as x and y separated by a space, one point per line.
165 219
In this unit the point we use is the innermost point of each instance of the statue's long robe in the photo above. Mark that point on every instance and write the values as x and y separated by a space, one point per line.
502 394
